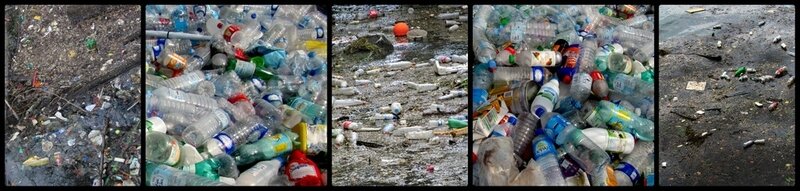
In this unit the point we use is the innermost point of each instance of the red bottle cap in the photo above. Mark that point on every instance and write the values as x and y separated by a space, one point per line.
240 54
373 14
238 97
596 75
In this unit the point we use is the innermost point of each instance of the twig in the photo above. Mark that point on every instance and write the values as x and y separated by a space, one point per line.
684 116
12 110
134 104
68 102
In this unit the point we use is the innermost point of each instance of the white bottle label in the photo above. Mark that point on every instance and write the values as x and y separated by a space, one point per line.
300 170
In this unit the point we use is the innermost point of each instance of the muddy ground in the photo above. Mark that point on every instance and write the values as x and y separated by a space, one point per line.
49 69
731 116
399 161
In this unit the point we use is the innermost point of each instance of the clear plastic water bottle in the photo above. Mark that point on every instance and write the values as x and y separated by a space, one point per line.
206 126
587 56
226 141
163 175
185 81
544 152
162 148
523 134
317 33
183 97
581 86
631 169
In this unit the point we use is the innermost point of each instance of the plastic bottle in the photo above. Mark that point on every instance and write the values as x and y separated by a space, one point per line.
546 58
314 113
607 113
260 174
227 140
162 148
205 127
581 87
599 85
523 134
571 64
183 97
586 61
163 175
507 74
611 140
155 124
546 98
266 148
522 96
303 171
620 63
419 135
632 167
185 80
544 152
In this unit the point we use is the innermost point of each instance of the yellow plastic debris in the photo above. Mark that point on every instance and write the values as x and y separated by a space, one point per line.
35 161
37 17
302 131
72 54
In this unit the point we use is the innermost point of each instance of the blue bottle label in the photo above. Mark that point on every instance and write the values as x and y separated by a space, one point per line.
261 130
226 142
542 148
554 126
629 170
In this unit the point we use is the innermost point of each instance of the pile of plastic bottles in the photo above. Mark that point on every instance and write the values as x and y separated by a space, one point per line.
236 95
563 95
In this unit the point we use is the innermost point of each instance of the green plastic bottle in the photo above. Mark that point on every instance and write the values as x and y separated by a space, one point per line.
247 70
454 123
266 148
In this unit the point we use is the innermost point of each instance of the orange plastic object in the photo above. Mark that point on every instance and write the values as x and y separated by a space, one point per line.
400 28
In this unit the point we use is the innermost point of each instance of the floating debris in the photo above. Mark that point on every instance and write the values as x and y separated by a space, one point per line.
758 104
783 46
762 23
663 164
748 144
695 10
760 141
699 86
773 106
780 71
776 39
725 76
35 161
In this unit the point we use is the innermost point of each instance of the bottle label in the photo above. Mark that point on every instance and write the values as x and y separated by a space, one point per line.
245 69
537 75
616 141
554 126
629 170
226 142
569 167
229 32
261 130
320 33
175 62
300 170
174 154
281 143
544 58
542 148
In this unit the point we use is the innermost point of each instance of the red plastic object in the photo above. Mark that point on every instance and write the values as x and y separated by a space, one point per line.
303 171
373 14
238 97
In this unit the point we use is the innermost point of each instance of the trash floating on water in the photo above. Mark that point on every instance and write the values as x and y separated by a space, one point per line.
698 86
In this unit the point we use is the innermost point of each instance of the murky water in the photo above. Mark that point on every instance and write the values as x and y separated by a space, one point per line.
442 161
